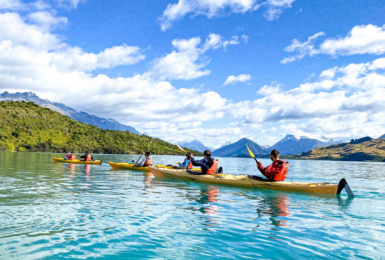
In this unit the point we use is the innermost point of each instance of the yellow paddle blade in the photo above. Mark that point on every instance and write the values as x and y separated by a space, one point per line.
250 152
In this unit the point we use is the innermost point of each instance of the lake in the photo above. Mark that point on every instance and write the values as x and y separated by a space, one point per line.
61 211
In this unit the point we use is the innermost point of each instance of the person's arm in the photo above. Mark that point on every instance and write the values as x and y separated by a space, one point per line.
83 157
199 162
92 158
261 168
183 163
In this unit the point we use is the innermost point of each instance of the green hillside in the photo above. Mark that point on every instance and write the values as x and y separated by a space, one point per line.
364 149
29 127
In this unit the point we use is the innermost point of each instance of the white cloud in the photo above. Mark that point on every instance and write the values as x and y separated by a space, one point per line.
47 20
245 38
369 39
212 8
234 79
10 4
270 90
70 3
186 62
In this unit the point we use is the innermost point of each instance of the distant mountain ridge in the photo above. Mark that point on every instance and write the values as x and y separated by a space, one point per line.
195 145
83 117
292 145
238 149
382 137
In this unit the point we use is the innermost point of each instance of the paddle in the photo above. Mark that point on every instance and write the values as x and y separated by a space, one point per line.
251 153
180 147
142 154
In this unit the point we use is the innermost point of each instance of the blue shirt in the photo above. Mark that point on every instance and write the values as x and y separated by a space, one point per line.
185 163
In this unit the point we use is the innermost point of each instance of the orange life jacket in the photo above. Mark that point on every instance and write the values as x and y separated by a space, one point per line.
281 175
190 165
73 157
88 158
214 167
148 161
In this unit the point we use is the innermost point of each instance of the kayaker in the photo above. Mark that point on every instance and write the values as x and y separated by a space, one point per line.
70 156
208 164
186 164
87 157
147 161
276 171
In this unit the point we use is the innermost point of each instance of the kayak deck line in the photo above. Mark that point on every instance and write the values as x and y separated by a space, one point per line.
61 160
247 182
131 166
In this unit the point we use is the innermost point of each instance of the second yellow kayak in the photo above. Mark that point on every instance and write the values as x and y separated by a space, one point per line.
55 159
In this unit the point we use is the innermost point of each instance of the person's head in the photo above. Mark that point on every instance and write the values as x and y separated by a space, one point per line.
207 154
147 153
87 153
188 155
274 155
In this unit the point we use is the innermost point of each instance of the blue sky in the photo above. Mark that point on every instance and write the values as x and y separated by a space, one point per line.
309 68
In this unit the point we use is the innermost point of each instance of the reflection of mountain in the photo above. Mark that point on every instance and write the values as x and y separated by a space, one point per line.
238 149
194 145
292 145
103 123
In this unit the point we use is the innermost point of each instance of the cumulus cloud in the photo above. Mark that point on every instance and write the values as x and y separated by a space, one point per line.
47 20
211 8
234 79
369 39
187 61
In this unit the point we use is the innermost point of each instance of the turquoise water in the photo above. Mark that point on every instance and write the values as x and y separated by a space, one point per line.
60 211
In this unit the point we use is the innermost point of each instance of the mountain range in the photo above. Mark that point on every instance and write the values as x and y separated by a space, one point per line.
292 145
83 117
238 149
194 145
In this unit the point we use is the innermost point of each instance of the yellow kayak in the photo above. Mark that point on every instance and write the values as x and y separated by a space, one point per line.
97 162
130 166
246 181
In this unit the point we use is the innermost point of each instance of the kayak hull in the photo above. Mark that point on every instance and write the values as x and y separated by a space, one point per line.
55 159
245 181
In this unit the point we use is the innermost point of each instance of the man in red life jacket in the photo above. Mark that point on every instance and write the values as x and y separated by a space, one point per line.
147 161
87 157
276 171
208 164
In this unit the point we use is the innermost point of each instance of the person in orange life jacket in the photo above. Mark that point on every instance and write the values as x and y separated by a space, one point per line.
208 165
186 164
276 171
70 156
87 157
147 161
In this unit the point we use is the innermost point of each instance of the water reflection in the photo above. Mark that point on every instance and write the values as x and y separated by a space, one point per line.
276 206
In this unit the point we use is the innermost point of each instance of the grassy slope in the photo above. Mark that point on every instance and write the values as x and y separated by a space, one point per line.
372 150
29 127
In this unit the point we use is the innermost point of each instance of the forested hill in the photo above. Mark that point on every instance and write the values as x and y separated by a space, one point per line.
25 126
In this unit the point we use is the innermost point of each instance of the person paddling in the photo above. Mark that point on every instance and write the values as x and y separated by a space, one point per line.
87 157
70 156
208 164
186 164
276 171
147 161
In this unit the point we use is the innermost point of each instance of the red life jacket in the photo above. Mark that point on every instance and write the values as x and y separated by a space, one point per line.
281 175
73 157
213 168
88 158
148 161
190 165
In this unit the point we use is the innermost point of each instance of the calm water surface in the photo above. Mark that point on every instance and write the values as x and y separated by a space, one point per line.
61 211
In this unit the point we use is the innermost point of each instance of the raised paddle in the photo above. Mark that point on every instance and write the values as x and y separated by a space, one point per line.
180 147
251 153
142 154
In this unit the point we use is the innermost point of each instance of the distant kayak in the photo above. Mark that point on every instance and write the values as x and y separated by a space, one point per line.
97 162
246 181
130 166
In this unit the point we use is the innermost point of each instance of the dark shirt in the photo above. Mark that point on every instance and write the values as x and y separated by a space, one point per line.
84 157
205 164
